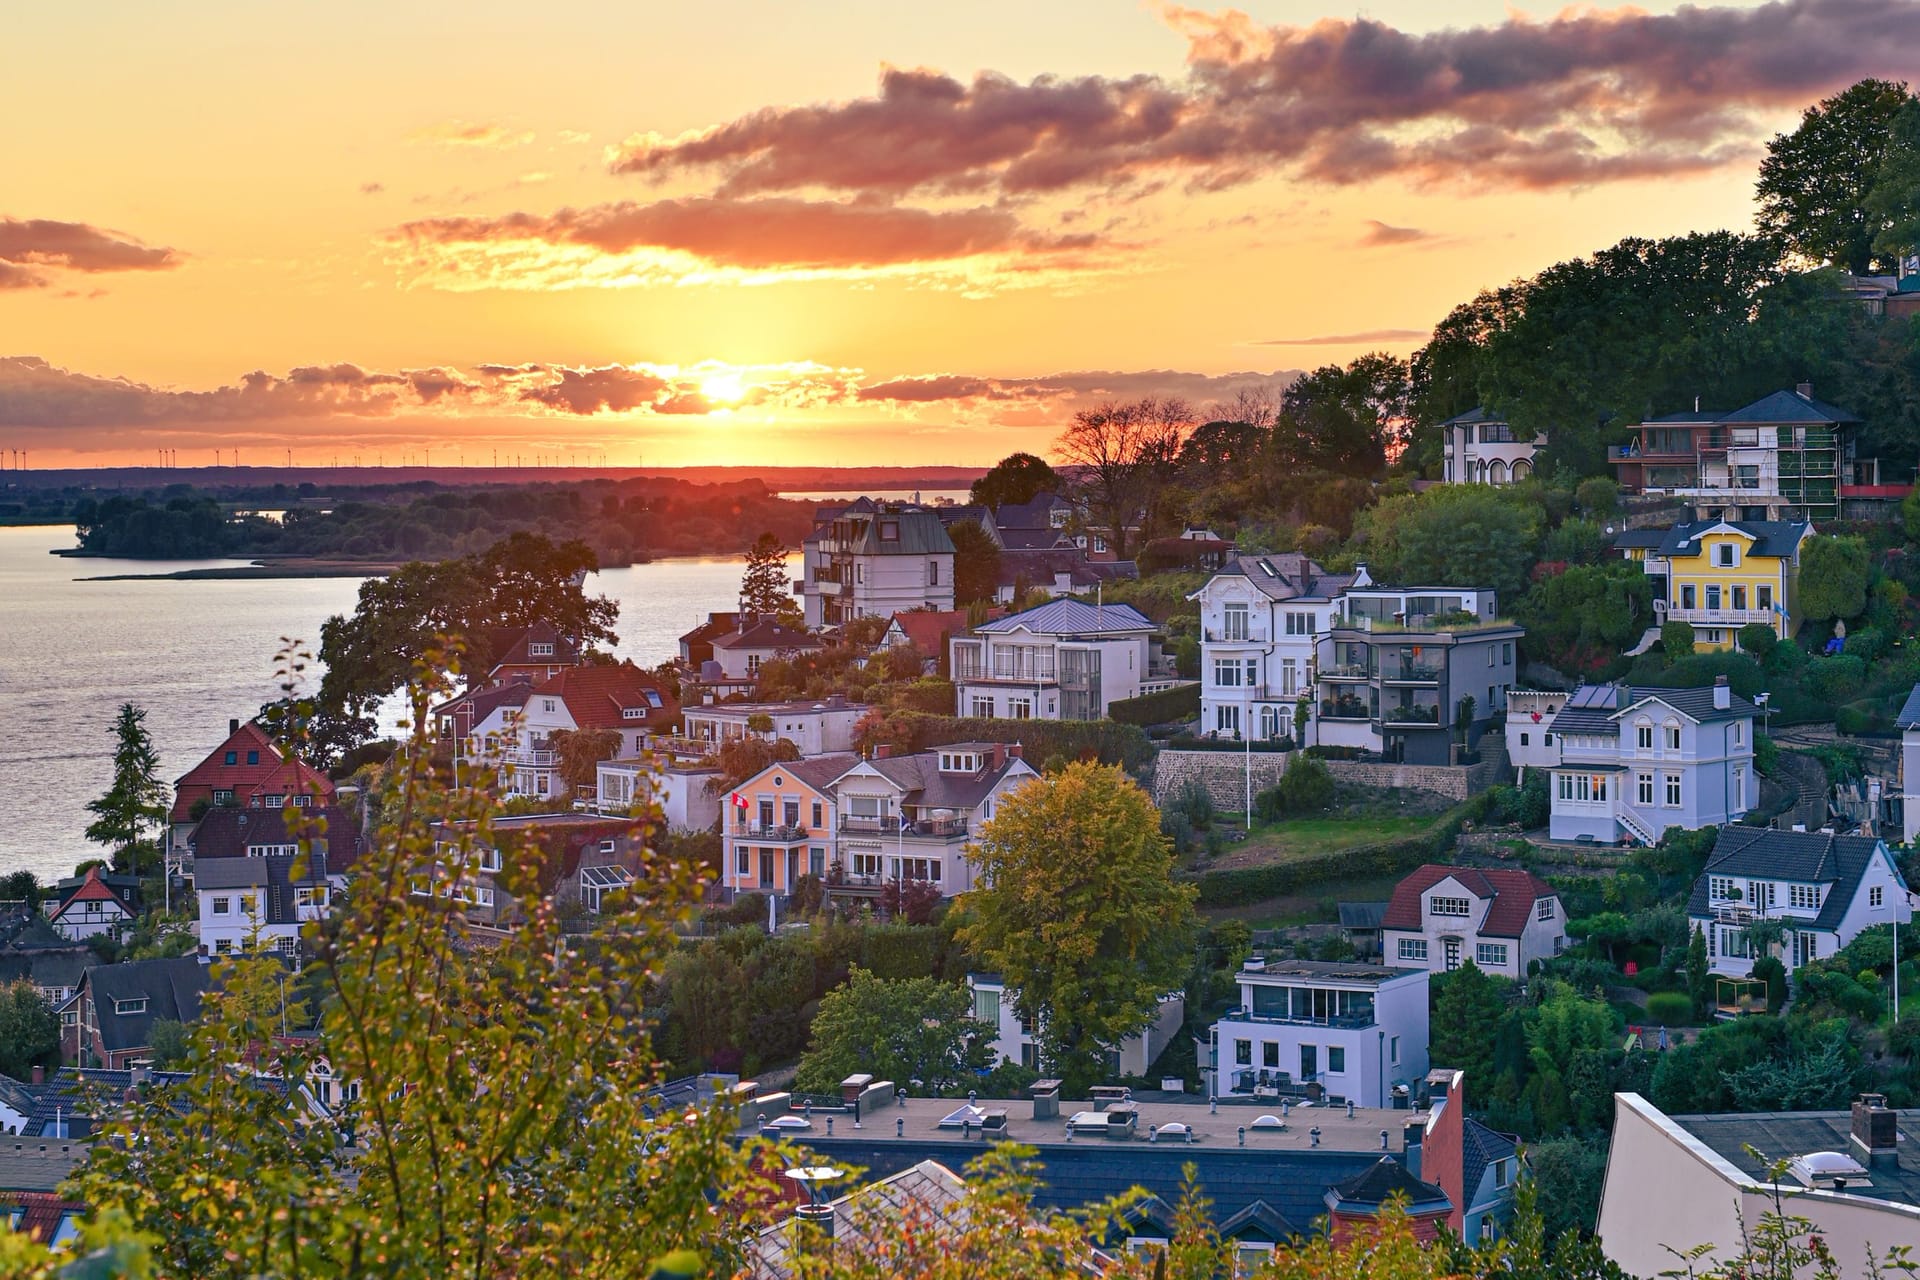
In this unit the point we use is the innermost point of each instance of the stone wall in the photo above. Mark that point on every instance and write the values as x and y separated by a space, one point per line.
1224 774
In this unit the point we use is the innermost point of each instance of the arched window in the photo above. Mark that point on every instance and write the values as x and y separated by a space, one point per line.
1643 734
1269 722
1521 470
1497 472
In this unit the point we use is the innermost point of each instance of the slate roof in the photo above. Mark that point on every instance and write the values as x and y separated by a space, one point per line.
1510 894
1909 717
482 703
598 697
1649 538
768 634
1596 709
1480 1147
924 786
920 531
979 513
1035 514
1473 416
38 1166
1362 915
1067 617
517 652
1039 568
1775 538
1806 857
1290 576
172 989
1790 407
1374 1186
47 968
816 772
273 875
230 832
1040 538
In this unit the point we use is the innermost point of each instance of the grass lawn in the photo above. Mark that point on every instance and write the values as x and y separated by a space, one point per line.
1304 837
1315 905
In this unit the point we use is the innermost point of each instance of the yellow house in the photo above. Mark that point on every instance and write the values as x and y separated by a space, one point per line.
1724 574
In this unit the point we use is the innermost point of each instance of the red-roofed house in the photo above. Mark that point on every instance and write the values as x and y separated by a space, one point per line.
621 698
90 909
927 631
247 770
579 856
1502 920
538 653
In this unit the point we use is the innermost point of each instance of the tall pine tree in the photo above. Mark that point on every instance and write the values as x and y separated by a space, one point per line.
136 803
763 589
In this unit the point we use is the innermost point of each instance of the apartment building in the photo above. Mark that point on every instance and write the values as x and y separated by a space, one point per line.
875 559
1356 1032
1262 619
1064 660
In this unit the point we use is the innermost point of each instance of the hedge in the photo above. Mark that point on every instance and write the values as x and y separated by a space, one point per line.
1182 702
1108 741
1244 886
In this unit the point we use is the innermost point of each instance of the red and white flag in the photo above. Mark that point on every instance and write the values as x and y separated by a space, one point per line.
739 801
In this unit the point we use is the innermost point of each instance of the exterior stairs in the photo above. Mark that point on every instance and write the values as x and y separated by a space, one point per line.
1635 828
1648 638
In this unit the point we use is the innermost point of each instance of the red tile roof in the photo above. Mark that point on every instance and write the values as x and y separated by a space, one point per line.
597 697
927 630
267 773
92 889
1512 893
41 1212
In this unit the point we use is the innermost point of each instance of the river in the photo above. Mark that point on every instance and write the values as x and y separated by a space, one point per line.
194 653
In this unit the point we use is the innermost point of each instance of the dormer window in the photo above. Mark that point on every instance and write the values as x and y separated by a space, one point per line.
540 649
633 713
124 1008
889 531
1726 555
1440 906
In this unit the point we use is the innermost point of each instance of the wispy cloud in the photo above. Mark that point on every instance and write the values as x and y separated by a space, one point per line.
1344 339
459 133
1379 233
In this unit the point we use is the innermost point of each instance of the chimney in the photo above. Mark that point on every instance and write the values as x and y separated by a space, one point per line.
1876 1130
999 754
1804 391
39 1074
836 700
1722 694
233 726
813 1225
883 751
1016 751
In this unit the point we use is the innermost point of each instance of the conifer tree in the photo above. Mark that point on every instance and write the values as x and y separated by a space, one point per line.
137 800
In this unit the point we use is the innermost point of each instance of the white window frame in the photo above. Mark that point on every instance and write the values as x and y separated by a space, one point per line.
1413 949
1490 955
1444 905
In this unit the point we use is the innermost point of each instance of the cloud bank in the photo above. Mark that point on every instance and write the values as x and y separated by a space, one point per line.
34 251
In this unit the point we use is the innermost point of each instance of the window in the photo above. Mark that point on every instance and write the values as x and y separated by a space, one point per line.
223 946
253 757
1687 596
1289 679
1673 736
1733 944
1673 790
1440 906
1804 896
1299 624
1226 672
546 704
1413 949
816 860
1726 555
982 707
1499 1173
1643 789
1720 888
1393 1050
1876 896
986 1005
1739 787
223 797
1739 733
308 898
1523 739
223 906
1233 622
933 573
866 864
1490 955
136 1005
1506 653
1493 655
1336 1059
1546 739
1763 597
1227 719
1713 596
1270 1053
742 862
1544 909
246 903
1020 708
1740 598
540 649
1643 735
816 815
1243 1053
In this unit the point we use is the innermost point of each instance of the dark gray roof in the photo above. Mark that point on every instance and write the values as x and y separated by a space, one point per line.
226 833
1805 857
1909 717
1039 538
1071 617
1386 1179
171 988
38 1166
925 786
1691 415
1480 1147
1477 414
1639 538
1777 538
73 1098
1361 915
1790 406
1777 1135
45 967
1039 568
918 531
1289 576
767 634
817 772
1330 970
273 875
1037 514
1595 709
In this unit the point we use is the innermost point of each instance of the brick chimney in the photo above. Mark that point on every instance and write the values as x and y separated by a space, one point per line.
883 751
1804 391
1876 1130
999 754
39 1074
233 726
1016 750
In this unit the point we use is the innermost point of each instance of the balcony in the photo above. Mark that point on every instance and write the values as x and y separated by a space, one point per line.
980 673
778 832
1339 1022
924 829
1213 635
1722 617
1347 671
1412 673
1414 715
527 758
1344 709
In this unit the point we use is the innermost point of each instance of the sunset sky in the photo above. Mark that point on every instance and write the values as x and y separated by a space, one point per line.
850 233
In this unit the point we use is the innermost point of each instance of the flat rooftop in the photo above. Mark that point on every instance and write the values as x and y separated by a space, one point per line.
1323 970
1784 1135
1288 1131
741 710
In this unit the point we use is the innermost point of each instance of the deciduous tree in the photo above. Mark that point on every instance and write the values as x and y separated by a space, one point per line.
1015 479
1126 456
1815 183
29 1031
1833 577
1080 913
909 1029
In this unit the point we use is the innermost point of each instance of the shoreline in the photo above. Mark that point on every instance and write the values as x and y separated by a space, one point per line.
321 567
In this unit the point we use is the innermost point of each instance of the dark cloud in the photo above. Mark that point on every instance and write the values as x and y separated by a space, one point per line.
1346 339
28 244
614 388
1588 96
940 386
372 188
759 234
1380 233
1080 387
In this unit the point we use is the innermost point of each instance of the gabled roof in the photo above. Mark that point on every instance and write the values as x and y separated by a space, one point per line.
63 966
600 695
717 624
267 771
1041 538
1288 576
768 634
1595 710
1473 416
1480 1147
1034 514
1362 915
866 1222
1068 617
927 629
517 651
1042 567
273 876
1790 407
923 785
1688 416
229 833
1368 1191
1510 893
482 703
816 773
1639 538
1909 717
1804 857
171 988
93 889
1777 539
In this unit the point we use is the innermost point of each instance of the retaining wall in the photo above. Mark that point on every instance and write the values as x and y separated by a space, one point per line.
1224 775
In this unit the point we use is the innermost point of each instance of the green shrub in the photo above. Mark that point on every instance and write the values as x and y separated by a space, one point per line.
1597 495
1182 702
1195 803
1758 639
1109 742
1670 1008
1306 786
1676 638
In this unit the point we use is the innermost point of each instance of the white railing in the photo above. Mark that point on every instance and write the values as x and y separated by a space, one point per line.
1722 617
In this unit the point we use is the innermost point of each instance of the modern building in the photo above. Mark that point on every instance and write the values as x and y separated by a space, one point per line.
1064 660
1502 920
1335 1030
1635 762
681 787
1016 1039
1719 576
1479 447
1262 619
875 559
1679 1183
1785 457
816 727
1822 889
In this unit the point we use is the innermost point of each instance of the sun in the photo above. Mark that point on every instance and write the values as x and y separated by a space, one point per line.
724 386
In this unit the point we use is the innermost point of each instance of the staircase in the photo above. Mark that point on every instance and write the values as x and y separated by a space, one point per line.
1636 828
1648 639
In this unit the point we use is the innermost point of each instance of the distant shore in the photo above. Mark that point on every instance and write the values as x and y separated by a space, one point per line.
291 568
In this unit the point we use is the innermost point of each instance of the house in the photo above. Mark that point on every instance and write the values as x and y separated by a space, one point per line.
1261 621
739 653
1340 1030
1354 1205
117 1005
1501 919
479 720
779 825
865 1222
532 654
1722 575
1058 571
49 962
1481 447
1908 722
926 632
1063 660
1849 1174
1476 1167
1635 762
576 858
1015 1039
619 699
92 908
1360 927
875 559
1823 889
816 727
31 1175
248 770
696 646
1785 457
1042 524
1529 728
1400 667
334 834
680 787
260 903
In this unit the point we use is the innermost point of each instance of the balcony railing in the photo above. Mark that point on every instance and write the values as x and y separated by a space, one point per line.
778 831
1412 715
1214 635
1722 617
1345 709
977 673
925 828
1346 671
527 758
1412 673
1345 1022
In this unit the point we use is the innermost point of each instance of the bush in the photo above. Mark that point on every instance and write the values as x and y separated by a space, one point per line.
1306 786
1195 803
1182 702
1758 639
1336 753
1597 495
1670 1008
1769 970
1677 639
1126 745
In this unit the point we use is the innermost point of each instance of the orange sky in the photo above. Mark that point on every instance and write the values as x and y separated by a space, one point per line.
854 233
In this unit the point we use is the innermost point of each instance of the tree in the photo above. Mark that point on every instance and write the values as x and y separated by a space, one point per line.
137 800
1893 203
741 758
503 1124
1580 619
1816 182
1567 1175
29 1031
577 754
1016 479
1345 419
763 588
1699 974
913 1030
1834 572
171 1047
976 562
1126 455
1468 1006
1080 913
1676 639
1307 785
1462 533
